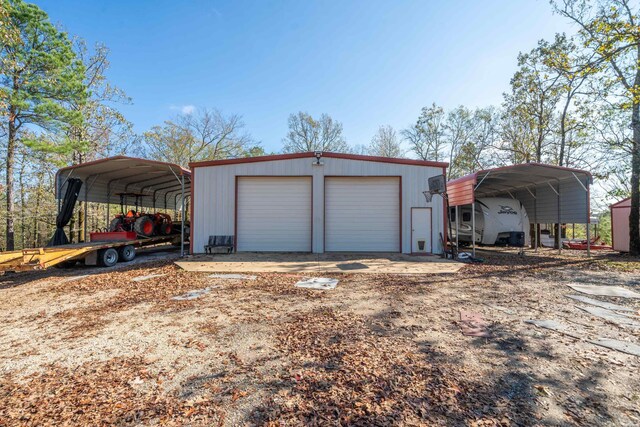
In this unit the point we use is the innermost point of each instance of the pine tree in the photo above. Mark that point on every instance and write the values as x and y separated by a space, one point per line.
40 78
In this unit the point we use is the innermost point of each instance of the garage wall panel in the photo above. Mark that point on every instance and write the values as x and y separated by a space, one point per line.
214 194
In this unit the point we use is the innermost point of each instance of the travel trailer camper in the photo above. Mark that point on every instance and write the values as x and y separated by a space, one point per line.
499 221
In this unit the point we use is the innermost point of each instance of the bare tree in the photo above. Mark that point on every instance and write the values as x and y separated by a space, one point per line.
470 136
462 137
427 136
385 143
204 135
308 134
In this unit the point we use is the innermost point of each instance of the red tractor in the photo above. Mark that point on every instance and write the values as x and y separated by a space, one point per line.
144 224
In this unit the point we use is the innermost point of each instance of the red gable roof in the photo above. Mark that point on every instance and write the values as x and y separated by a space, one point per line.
311 154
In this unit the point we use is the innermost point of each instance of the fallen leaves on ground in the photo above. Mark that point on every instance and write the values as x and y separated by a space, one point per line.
341 374
379 350
120 391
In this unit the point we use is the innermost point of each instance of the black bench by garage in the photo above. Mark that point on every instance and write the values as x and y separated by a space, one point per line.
219 244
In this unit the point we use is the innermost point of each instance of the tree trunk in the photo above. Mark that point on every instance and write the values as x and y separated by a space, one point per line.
36 212
11 152
634 216
563 131
563 142
23 204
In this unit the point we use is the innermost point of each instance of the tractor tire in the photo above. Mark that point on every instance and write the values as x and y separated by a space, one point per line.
165 228
115 224
126 253
144 226
107 257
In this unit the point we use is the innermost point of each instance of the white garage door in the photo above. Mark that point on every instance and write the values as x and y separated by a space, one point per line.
274 214
362 214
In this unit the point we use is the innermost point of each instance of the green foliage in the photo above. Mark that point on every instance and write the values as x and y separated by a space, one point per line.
604 227
41 76
610 33
40 81
104 131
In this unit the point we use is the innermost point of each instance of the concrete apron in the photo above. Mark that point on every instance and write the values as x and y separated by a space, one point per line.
317 263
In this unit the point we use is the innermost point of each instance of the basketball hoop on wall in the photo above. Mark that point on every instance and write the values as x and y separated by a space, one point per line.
438 185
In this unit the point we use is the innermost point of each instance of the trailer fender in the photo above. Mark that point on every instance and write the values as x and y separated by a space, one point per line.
91 258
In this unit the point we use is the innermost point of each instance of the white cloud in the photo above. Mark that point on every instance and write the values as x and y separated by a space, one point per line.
184 109
188 109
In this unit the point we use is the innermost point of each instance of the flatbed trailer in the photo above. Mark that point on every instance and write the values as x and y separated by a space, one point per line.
105 253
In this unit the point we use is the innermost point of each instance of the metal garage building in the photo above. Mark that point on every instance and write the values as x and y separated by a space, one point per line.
317 202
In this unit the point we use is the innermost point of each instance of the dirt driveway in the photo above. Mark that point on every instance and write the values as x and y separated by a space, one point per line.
378 350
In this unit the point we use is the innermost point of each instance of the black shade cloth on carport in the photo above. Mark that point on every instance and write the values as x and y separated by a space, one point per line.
66 212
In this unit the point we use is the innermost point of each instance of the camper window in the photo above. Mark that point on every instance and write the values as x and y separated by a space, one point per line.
466 216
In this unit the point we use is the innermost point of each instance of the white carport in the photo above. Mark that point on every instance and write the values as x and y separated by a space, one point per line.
163 185
550 194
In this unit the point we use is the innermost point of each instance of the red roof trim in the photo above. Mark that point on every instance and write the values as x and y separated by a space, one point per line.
137 159
310 154
615 205
470 177
502 168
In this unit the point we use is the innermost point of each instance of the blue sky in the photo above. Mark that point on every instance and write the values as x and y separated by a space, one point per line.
366 63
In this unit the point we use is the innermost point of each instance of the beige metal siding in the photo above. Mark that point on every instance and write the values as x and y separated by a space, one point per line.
362 214
620 225
214 194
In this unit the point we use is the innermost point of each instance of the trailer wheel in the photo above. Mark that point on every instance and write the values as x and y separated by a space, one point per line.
144 226
126 253
108 257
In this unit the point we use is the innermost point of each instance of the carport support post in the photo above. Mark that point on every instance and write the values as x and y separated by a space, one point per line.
108 205
457 219
589 222
84 220
182 219
559 226
535 219
473 228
